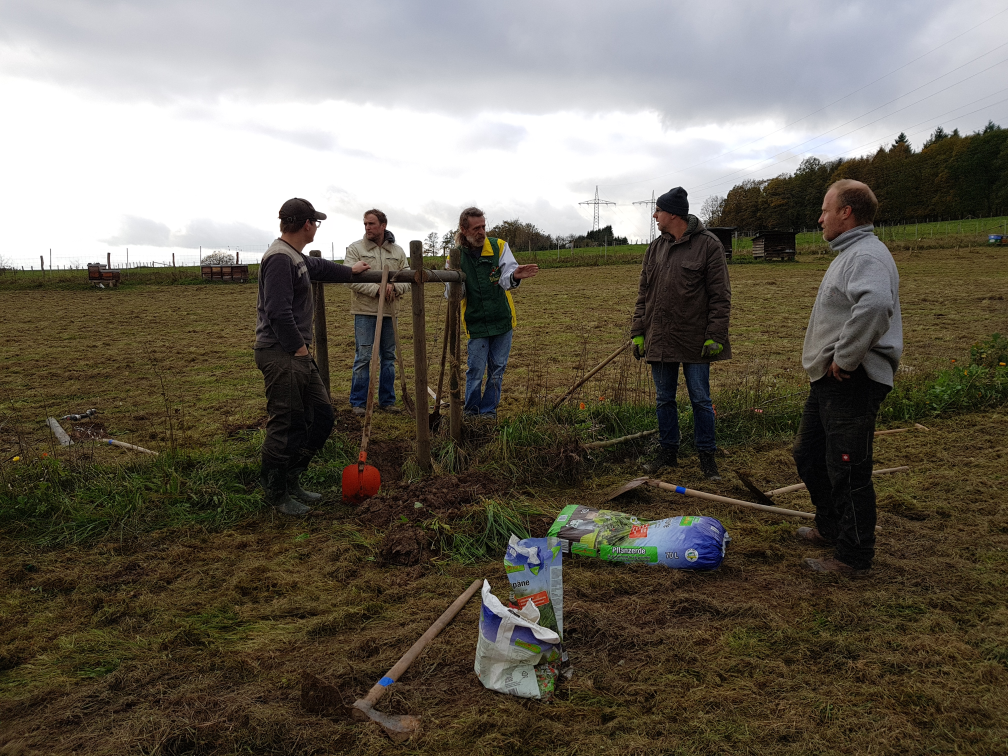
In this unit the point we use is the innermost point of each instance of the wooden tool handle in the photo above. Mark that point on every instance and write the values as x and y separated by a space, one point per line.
737 502
444 358
406 400
801 486
598 367
403 664
374 369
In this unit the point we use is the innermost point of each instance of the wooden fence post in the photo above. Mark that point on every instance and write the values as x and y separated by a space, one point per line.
321 331
455 385
420 357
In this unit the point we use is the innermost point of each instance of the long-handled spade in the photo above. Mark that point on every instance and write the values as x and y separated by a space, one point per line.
362 481
401 727
407 400
630 485
435 417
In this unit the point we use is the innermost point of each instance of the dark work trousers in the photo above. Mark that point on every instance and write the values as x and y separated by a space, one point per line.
298 405
833 451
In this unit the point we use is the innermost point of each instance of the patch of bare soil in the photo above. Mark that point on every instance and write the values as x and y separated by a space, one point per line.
404 545
446 498
388 457
402 512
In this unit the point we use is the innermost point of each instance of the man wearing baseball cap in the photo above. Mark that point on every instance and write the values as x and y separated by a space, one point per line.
297 403
681 317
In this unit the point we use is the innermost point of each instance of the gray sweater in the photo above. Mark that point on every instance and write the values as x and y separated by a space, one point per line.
856 316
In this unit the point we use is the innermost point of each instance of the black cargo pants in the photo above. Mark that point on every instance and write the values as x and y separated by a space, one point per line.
298 405
833 451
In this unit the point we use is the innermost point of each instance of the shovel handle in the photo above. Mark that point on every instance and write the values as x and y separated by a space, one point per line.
403 664
591 373
375 365
444 358
727 500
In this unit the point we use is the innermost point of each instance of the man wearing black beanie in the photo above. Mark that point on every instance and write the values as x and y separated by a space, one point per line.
681 317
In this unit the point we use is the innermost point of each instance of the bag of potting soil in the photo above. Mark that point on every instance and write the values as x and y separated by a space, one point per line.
683 543
514 653
534 569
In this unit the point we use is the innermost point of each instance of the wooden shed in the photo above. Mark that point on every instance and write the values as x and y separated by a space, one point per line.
774 245
100 274
237 273
724 235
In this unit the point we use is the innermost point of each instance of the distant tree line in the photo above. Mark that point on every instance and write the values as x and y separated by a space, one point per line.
953 176
526 237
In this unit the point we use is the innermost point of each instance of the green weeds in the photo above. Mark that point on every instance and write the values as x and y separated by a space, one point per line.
483 533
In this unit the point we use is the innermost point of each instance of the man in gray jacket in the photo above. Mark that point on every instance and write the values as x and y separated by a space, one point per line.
681 317
852 349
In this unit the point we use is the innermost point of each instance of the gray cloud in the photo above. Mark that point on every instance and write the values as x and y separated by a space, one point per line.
200 232
724 60
493 135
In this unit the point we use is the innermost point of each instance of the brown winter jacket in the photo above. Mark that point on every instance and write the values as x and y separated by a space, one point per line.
684 297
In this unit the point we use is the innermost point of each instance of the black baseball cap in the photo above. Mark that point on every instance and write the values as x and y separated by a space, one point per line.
297 209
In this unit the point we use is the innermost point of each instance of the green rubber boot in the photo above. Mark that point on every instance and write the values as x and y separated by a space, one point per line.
295 490
274 482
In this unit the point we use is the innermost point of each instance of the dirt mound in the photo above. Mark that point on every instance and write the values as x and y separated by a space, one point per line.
388 457
405 546
446 498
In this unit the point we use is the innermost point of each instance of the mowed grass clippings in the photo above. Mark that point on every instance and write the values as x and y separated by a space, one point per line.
195 642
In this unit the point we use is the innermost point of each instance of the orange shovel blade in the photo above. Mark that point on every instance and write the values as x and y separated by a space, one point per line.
360 482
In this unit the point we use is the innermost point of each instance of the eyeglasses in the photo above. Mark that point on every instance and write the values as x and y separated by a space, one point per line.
317 222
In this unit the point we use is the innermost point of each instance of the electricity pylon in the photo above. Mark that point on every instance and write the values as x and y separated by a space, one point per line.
651 211
596 202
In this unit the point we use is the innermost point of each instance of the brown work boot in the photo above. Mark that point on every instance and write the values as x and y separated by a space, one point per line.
829 564
812 536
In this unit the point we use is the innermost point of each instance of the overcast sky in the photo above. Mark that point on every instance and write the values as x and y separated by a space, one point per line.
165 127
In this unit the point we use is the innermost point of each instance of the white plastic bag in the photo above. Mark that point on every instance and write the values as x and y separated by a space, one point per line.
514 654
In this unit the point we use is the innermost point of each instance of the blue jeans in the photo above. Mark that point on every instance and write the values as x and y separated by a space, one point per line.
666 378
489 356
364 330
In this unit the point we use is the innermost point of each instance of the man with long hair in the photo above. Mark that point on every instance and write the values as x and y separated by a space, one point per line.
488 311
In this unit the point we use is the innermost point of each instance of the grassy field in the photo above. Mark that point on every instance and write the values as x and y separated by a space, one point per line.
186 628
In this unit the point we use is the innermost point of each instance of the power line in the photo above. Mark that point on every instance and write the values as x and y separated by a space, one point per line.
849 94
651 211
596 202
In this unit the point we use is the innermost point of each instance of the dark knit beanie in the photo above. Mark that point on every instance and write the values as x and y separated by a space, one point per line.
674 201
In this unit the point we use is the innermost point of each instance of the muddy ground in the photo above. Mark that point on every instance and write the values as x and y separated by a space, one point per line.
198 643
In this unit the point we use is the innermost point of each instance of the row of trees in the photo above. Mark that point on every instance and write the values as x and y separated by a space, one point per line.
526 237
953 176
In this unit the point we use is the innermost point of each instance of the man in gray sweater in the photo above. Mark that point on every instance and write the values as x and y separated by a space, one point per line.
852 349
